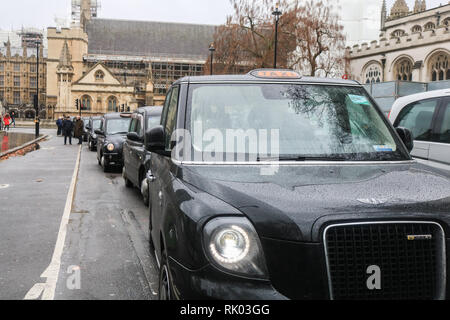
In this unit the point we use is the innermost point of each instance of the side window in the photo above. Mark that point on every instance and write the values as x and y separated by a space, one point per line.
444 133
171 117
132 125
166 108
139 126
418 118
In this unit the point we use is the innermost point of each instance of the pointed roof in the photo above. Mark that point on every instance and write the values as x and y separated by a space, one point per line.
65 59
399 9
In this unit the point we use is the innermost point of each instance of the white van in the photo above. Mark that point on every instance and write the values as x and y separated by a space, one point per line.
427 115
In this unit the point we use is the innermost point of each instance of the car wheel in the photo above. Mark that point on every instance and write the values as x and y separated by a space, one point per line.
165 283
104 164
128 183
144 192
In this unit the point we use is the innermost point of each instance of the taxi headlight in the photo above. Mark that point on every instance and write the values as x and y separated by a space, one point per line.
233 244
110 147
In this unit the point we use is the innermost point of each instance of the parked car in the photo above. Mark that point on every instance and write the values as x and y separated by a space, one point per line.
94 123
110 138
330 205
136 157
427 115
86 133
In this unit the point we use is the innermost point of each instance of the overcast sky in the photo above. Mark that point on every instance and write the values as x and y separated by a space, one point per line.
42 13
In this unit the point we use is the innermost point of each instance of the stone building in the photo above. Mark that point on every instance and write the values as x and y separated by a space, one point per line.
112 65
18 74
414 45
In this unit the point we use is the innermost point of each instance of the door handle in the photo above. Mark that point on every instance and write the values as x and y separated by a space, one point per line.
150 177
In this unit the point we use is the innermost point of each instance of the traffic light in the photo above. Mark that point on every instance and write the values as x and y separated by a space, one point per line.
77 104
123 108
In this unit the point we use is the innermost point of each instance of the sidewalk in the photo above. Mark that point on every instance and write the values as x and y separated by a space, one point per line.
32 195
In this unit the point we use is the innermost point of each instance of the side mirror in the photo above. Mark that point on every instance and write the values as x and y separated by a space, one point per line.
88 128
99 132
156 140
407 138
133 136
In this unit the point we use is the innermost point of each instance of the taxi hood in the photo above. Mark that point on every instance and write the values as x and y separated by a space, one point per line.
291 204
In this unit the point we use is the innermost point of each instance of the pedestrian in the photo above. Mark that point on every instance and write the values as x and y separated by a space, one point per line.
13 118
79 130
7 121
67 128
59 124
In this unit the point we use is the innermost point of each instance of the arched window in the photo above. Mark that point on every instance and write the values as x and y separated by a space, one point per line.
99 75
403 70
416 29
373 73
112 104
86 103
398 33
430 26
440 67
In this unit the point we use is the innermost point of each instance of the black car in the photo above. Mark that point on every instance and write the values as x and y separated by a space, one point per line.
85 129
328 205
110 138
93 124
136 157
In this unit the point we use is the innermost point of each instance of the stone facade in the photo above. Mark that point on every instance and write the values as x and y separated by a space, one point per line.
18 79
413 46
112 65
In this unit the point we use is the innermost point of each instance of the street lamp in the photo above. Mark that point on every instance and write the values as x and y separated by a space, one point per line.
277 13
36 98
212 50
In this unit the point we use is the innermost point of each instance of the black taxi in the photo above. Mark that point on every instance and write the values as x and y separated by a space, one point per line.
136 157
271 185
110 138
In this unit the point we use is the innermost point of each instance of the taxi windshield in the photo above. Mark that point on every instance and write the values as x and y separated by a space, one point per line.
118 126
296 121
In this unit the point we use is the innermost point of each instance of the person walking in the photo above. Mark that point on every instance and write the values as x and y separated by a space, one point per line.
13 118
67 128
59 124
7 121
79 130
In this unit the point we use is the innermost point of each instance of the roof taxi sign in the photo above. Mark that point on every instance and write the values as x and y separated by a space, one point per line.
275 74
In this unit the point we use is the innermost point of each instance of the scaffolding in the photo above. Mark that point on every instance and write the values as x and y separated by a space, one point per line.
77 8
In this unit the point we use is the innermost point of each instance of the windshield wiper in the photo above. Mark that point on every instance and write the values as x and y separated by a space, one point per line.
302 158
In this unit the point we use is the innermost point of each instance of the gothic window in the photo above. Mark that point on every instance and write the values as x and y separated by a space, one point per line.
416 29
86 103
446 22
430 26
16 97
99 75
403 70
440 67
112 104
398 33
373 74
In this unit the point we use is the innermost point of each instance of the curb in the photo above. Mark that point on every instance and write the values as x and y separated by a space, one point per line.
3 154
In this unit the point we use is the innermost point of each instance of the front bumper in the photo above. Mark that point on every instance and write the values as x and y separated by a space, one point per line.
211 284
113 159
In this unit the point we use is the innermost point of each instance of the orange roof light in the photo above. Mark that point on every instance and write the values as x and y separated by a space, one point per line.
276 74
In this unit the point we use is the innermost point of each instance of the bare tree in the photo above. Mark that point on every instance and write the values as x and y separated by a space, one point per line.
310 38
320 39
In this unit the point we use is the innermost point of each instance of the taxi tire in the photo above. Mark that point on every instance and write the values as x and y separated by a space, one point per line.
128 183
103 164
165 291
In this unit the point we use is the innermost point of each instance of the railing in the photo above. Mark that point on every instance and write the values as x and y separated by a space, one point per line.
386 93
